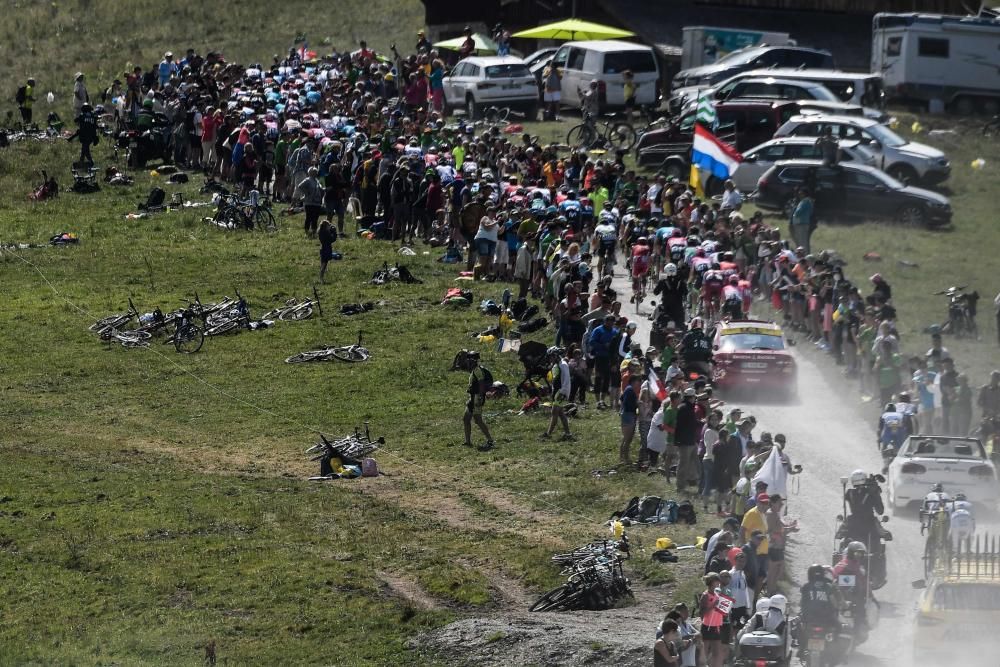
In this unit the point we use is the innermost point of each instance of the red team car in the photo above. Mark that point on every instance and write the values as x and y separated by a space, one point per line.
753 354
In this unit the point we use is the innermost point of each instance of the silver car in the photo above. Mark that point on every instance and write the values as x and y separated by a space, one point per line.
759 159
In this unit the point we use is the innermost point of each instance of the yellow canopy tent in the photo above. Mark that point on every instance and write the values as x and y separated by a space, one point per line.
484 45
573 29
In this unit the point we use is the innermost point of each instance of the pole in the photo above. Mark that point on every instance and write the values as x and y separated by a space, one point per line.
572 13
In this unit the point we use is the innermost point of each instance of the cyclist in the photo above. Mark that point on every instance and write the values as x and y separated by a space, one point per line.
711 290
962 521
605 240
891 429
572 210
732 299
937 502
640 269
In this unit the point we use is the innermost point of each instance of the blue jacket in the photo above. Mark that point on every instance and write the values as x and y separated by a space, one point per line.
600 341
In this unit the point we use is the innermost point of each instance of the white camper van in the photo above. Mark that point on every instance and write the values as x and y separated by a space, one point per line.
605 61
945 61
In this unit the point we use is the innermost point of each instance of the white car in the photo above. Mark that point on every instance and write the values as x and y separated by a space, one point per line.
907 161
759 159
960 465
483 81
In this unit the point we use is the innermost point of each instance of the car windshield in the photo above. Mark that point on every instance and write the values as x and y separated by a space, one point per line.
616 62
752 341
739 57
947 448
507 71
971 596
823 94
886 136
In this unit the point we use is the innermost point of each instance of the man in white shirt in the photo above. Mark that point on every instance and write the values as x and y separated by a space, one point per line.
731 197
653 196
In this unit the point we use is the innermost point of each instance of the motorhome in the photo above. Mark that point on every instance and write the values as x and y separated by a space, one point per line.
946 62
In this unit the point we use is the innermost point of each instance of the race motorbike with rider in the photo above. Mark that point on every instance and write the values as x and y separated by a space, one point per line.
863 522
696 350
819 620
851 577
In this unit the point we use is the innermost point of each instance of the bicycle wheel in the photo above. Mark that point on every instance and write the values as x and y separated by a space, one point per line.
189 339
274 314
351 353
296 314
581 136
553 598
264 221
623 136
225 327
313 355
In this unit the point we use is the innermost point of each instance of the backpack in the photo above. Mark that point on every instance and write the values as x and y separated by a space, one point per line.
631 510
369 468
21 96
486 381
518 308
462 361
685 513
533 325
649 508
155 198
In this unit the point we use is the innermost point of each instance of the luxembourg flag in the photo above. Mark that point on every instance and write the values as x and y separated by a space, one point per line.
656 386
711 155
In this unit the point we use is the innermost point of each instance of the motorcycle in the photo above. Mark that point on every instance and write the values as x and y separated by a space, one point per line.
851 531
148 145
763 648
825 646
961 311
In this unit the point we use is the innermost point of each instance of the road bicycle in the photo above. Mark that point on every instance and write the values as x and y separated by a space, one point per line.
230 320
349 353
936 524
130 339
354 446
295 310
602 134
187 337
593 587
253 213
115 321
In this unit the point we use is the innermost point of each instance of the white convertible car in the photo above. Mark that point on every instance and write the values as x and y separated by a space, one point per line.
960 465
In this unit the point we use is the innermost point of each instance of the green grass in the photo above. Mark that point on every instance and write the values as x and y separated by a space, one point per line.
156 502
152 503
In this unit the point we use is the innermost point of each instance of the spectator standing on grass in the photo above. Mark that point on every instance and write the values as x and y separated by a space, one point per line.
86 134
802 221
327 236
311 192
80 95
478 386
26 100
629 418
887 366
686 438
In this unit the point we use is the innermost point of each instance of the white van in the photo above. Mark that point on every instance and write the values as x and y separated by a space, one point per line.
605 60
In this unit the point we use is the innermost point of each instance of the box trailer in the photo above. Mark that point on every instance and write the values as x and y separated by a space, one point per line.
704 45
946 62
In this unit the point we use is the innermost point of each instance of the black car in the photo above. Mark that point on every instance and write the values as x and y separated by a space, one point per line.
850 191
753 57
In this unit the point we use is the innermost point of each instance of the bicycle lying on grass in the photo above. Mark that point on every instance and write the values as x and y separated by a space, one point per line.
596 578
295 310
350 353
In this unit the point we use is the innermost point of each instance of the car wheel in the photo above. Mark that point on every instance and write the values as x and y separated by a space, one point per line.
470 108
673 170
911 215
903 173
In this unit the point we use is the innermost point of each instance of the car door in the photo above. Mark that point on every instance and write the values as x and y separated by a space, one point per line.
574 76
451 85
559 60
755 163
870 195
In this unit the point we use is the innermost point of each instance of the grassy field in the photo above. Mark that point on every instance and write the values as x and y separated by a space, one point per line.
150 503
